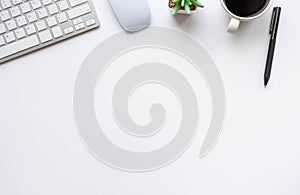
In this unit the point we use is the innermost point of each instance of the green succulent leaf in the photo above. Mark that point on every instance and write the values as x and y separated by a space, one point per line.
176 9
187 9
196 3
182 3
186 5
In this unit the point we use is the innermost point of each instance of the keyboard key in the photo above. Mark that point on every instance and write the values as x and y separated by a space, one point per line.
51 21
15 11
47 2
16 2
30 29
90 22
20 33
9 37
45 36
52 9
36 4
63 5
11 24
76 2
25 7
18 46
62 17
69 30
79 11
41 25
79 26
4 15
42 13
2 28
21 21
77 21
6 4
2 41
56 31
31 17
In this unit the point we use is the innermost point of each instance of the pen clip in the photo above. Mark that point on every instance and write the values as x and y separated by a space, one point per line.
272 21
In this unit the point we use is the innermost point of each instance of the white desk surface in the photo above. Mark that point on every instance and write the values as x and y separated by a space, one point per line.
258 151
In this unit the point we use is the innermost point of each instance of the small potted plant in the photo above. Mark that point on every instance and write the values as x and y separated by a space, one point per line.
184 6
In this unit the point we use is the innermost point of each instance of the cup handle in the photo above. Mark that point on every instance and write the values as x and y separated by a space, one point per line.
233 25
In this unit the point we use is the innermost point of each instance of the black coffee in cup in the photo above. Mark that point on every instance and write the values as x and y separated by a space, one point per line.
246 8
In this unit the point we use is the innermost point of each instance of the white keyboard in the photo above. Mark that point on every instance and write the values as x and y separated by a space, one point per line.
28 25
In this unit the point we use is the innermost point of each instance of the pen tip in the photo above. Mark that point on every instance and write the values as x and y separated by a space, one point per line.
266 82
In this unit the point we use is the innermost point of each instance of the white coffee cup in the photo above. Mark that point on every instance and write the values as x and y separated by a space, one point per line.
236 20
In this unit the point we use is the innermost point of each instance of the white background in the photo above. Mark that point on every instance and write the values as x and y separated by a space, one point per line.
258 151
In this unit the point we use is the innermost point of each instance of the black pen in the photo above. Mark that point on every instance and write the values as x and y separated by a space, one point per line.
273 33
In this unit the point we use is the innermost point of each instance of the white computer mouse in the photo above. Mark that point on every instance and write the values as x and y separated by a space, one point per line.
133 15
